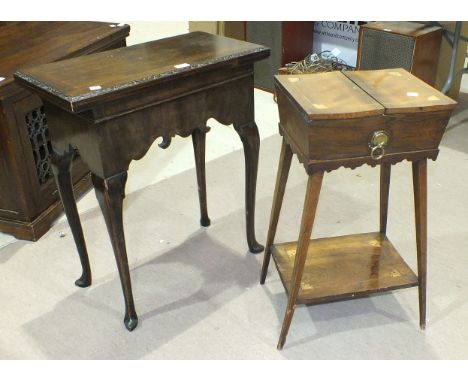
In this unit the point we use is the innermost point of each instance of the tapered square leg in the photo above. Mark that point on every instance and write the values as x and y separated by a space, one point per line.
420 208
198 140
281 179
110 193
61 167
385 172
314 185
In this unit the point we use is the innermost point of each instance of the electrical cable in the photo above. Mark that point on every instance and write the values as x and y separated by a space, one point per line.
324 61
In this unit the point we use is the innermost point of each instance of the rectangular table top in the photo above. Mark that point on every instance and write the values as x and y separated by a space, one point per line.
25 44
89 78
357 94
399 91
329 96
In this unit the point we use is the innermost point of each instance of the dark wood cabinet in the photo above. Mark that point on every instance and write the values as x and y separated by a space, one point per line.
288 41
29 201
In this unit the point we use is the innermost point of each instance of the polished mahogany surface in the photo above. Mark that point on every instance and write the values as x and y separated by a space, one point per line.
329 96
330 118
345 267
27 44
356 94
29 202
88 79
400 92
111 107
375 117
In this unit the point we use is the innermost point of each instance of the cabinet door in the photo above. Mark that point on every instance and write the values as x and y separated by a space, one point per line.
12 199
38 183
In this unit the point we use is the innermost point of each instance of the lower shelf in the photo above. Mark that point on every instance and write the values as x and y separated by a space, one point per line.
345 267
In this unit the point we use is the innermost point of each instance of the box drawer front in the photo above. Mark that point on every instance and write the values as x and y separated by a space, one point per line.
354 138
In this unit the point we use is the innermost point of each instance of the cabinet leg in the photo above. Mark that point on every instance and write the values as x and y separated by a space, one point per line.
110 193
281 179
251 141
385 171
308 215
198 140
61 167
420 207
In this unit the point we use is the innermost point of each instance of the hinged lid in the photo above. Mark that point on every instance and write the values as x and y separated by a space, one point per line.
78 84
364 93
329 96
399 91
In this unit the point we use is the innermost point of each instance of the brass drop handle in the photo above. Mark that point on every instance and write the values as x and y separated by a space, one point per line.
377 152
378 142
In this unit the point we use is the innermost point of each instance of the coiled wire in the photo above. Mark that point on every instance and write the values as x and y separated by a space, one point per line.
316 62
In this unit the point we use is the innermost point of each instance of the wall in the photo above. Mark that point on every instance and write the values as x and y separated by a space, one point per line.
444 60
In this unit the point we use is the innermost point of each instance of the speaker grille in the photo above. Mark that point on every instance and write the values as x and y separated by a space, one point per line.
268 33
36 122
383 50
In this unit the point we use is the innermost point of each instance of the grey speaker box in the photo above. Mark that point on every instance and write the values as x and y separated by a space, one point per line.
401 44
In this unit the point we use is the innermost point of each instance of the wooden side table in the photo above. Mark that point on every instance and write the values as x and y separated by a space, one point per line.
29 201
329 120
111 107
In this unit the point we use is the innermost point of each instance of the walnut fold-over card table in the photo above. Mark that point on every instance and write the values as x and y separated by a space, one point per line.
329 120
111 106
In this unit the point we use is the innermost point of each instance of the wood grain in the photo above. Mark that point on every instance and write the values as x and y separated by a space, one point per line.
28 204
311 199
142 100
135 67
406 28
345 267
333 136
351 266
28 44
328 96
61 167
420 211
400 92
385 173
280 186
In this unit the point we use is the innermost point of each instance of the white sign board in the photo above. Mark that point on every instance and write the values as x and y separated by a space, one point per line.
339 38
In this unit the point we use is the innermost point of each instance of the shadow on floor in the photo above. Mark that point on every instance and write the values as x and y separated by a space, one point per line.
173 292
179 287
